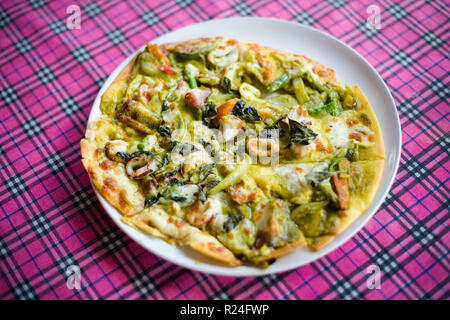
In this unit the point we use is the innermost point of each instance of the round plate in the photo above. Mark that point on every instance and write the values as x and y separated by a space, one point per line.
350 67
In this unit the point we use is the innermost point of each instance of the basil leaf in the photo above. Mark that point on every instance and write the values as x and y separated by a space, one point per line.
232 223
227 85
128 156
165 160
205 188
184 148
246 112
315 177
205 170
151 200
300 133
177 198
164 130
209 113
169 174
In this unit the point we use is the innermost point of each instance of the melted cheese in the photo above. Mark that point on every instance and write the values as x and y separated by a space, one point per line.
338 131
338 135
294 174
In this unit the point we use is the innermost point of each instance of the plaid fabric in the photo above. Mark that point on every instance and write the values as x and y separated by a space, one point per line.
50 218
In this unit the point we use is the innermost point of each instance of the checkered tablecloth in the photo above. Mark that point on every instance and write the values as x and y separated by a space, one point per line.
50 218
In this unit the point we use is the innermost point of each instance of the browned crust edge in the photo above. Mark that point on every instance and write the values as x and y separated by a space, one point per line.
135 222
185 234
377 150
108 186
284 250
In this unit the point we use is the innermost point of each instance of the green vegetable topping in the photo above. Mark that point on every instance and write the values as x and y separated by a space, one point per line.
188 55
232 223
330 108
278 83
227 85
164 130
149 201
327 189
353 153
313 80
173 63
315 177
189 70
128 156
205 189
300 90
310 217
209 113
246 112
184 148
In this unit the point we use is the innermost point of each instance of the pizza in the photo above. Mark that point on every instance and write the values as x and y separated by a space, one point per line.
240 151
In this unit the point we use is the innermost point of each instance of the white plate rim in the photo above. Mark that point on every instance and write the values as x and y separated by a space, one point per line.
354 228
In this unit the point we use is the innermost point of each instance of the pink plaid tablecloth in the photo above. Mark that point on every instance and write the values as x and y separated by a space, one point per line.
50 218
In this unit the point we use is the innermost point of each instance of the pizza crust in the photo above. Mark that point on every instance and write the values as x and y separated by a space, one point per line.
377 151
300 242
111 180
136 222
192 43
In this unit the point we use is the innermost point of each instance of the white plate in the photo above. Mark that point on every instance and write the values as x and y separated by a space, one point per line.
350 67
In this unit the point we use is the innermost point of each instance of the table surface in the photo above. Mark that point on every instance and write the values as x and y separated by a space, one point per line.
51 222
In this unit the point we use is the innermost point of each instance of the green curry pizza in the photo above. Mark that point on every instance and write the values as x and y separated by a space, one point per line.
239 151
